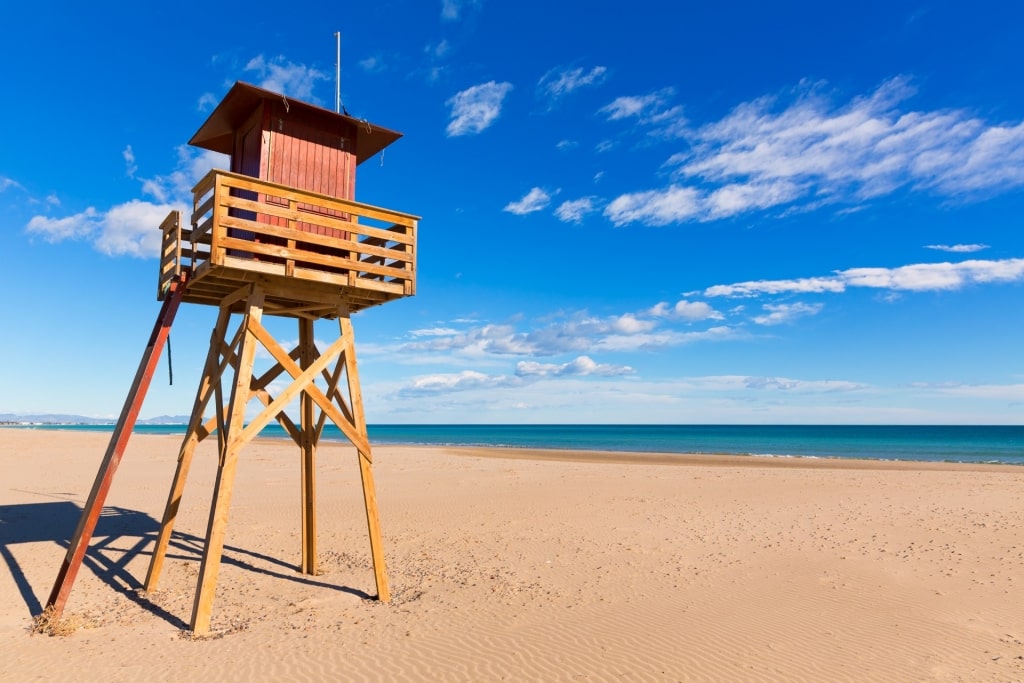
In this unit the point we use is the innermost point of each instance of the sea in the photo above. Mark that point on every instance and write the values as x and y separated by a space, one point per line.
961 443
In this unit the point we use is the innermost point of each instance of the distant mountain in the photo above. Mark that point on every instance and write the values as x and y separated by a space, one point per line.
165 420
50 418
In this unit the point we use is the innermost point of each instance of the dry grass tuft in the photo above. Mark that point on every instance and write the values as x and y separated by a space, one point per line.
45 624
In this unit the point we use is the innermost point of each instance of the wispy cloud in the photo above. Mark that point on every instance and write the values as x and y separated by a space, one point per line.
582 366
650 108
206 101
574 210
474 109
562 81
813 152
777 314
130 167
280 75
534 200
6 183
728 383
452 10
918 277
656 207
372 64
526 372
578 333
958 248
434 332
997 392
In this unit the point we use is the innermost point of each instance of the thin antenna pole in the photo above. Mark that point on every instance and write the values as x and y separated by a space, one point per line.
337 73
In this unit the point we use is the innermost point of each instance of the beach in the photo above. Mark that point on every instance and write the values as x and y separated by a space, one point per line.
522 565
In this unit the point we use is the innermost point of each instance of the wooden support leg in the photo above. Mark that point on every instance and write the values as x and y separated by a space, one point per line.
365 461
115 450
240 394
212 372
307 355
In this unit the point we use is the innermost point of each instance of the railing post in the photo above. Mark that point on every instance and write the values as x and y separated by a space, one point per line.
289 264
216 252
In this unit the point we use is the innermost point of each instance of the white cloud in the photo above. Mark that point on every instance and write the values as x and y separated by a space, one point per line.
582 366
461 381
566 144
535 200
630 324
192 165
655 207
812 152
131 228
558 82
784 313
810 285
474 109
958 248
917 277
576 333
282 76
574 210
935 276
79 226
130 167
686 310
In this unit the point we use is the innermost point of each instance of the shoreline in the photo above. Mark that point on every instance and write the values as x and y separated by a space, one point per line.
592 455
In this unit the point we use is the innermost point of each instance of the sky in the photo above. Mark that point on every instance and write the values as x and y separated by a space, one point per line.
650 212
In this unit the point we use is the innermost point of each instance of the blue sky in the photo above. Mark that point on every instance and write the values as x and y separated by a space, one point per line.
647 212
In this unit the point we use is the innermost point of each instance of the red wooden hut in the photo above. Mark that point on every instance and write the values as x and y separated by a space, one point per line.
292 143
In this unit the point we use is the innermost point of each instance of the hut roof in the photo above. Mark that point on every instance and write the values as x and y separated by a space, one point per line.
217 133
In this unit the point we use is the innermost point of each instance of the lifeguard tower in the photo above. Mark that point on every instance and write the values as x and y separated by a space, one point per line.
280 234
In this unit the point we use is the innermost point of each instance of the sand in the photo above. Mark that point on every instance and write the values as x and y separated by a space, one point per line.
536 567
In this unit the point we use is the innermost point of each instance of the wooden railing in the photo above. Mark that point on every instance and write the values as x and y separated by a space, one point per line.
241 223
170 253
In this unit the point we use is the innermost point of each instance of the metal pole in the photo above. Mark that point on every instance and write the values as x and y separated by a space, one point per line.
337 73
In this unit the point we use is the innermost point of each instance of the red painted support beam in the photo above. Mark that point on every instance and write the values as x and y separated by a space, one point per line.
118 443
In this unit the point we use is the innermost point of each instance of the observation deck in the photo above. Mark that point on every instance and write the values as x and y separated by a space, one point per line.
313 254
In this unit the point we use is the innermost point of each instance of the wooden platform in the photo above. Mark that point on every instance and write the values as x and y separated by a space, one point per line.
310 253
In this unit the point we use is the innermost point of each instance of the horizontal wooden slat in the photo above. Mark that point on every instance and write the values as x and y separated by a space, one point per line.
266 229
242 182
334 222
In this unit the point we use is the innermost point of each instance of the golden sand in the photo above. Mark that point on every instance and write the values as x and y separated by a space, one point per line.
524 566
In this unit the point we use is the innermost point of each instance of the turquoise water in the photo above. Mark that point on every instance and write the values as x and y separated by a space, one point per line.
994 444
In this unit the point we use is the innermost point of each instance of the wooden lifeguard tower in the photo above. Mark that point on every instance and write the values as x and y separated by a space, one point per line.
280 234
